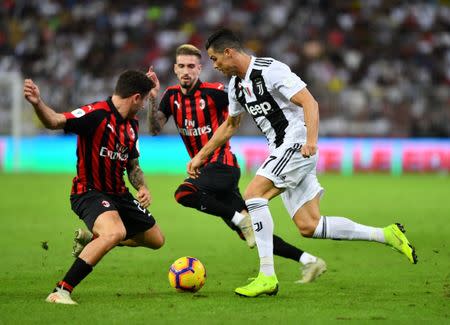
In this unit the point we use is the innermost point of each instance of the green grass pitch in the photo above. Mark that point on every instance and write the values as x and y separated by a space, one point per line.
365 282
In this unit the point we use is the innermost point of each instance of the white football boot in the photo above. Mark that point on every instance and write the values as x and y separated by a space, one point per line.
312 271
246 228
82 238
60 296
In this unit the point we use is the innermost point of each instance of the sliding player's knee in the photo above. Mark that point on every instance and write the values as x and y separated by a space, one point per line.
158 241
115 236
187 195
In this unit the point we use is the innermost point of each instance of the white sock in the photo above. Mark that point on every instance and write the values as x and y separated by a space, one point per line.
307 258
343 228
263 228
266 265
237 218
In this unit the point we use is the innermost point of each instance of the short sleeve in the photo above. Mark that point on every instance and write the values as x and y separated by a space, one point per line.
221 99
284 80
234 107
83 120
164 105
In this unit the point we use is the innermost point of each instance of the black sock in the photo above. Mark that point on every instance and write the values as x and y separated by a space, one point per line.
283 249
77 272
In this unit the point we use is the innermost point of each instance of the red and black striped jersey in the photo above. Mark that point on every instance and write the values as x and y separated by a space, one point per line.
197 116
105 143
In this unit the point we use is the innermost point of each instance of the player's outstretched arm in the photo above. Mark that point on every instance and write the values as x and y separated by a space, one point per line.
47 115
137 179
223 133
311 110
156 118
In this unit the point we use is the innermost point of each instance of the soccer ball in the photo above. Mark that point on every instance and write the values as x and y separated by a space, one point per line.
187 274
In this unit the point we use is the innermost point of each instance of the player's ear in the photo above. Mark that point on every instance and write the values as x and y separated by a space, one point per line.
136 98
227 52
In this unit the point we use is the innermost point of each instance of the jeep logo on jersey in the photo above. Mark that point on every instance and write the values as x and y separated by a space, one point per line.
261 109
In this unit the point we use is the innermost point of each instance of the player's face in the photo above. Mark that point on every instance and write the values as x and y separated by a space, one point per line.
138 102
187 68
223 61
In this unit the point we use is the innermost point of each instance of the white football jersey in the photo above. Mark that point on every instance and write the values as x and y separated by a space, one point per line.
265 94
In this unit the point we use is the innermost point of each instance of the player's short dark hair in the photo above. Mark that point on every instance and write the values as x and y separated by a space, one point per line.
222 39
188 49
131 82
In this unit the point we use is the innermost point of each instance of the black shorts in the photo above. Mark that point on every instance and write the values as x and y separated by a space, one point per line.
222 182
88 206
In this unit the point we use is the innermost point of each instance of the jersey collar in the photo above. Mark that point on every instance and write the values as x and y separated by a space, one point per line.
250 68
194 89
114 109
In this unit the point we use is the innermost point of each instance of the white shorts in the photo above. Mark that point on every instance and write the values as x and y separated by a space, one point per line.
288 169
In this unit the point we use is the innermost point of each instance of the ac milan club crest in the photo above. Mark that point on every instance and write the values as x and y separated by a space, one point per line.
132 134
106 204
202 104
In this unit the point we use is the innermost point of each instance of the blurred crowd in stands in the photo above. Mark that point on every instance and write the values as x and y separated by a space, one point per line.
377 67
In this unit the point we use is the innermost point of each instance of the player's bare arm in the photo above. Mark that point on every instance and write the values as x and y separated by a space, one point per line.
156 119
46 115
221 136
311 110
137 179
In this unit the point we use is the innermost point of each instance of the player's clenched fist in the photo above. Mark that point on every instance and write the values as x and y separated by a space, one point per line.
307 150
144 197
193 167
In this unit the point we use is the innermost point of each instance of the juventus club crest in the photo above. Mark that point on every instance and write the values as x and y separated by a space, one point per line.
259 86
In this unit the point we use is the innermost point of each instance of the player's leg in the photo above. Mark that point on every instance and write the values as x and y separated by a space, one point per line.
152 238
312 224
110 231
199 194
281 170
257 195
311 266
191 196
139 223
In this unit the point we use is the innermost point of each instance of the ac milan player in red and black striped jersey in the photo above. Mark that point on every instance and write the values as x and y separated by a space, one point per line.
107 135
198 108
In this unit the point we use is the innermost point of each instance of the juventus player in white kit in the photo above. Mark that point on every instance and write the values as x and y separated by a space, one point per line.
288 115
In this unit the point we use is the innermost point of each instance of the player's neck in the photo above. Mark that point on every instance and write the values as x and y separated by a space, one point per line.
186 91
121 107
243 62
